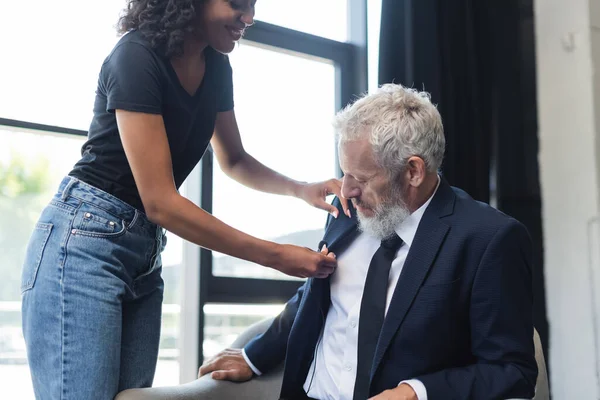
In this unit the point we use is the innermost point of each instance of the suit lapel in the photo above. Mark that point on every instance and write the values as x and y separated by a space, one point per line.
428 239
340 231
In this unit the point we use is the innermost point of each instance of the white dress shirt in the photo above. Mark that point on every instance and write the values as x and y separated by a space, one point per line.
332 373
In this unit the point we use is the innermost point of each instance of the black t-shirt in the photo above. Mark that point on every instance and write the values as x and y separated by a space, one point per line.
136 78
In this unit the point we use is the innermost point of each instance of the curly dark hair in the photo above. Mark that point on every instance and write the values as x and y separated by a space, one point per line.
164 23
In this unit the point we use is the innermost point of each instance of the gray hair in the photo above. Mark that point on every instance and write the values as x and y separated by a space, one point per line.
401 123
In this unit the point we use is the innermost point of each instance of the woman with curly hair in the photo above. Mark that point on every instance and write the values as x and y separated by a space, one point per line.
92 286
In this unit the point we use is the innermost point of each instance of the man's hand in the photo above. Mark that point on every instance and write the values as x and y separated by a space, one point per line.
228 365
402 392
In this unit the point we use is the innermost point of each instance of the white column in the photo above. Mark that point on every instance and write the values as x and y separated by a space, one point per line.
568 80
190 286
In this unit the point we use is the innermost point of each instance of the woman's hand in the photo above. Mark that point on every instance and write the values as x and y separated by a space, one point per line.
315 194
304 263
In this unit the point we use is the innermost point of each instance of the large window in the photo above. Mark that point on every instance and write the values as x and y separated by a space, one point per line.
55 56
327 18
284 105
296 67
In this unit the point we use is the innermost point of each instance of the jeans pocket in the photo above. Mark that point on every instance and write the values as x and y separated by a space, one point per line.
33 255
96 222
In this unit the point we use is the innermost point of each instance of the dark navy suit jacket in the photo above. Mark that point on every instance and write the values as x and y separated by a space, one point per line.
460 319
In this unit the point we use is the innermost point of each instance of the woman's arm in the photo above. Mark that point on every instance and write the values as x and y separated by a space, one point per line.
244 168
147 149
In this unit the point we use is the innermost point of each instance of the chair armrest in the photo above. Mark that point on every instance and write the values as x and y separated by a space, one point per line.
542 387
267 386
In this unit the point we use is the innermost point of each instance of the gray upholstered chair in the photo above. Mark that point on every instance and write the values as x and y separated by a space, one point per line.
267 387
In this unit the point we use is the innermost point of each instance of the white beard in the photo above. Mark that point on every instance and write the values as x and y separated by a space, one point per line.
385 221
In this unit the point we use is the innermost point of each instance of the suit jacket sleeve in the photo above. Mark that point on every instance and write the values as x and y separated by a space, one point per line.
501 326
268 350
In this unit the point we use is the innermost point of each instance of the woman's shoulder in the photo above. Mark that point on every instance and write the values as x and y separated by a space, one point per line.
131 57
133 44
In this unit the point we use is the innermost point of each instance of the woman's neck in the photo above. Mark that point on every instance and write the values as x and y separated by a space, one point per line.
193 51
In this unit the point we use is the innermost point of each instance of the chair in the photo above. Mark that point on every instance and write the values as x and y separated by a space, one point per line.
268 386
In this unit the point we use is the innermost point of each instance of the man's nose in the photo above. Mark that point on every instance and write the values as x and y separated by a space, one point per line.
349 189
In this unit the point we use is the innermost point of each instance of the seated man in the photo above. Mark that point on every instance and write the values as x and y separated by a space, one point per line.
432 296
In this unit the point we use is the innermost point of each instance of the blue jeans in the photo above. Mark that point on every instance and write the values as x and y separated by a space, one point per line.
92 296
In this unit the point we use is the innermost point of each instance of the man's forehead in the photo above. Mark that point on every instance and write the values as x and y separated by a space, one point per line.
358 147
357 157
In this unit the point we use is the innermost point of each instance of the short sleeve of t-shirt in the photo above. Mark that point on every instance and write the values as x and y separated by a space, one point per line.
131 78
226 103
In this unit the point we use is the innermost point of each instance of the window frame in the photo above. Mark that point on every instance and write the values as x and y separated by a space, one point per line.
351 74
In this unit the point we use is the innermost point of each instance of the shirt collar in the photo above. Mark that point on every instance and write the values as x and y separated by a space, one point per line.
408 228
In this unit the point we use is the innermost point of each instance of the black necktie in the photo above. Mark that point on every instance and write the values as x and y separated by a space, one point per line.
372 312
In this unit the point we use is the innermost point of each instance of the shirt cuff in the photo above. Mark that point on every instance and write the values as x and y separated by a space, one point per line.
418 387
254 369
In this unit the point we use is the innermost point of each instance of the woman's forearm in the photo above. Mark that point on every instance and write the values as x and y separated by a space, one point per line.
182 217
252 173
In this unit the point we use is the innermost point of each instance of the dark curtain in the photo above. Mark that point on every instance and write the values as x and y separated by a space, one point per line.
448 57
477 60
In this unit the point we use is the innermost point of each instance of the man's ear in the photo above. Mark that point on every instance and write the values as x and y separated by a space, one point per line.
416 171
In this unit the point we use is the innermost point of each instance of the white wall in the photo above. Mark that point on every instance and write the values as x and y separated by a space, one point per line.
568 61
